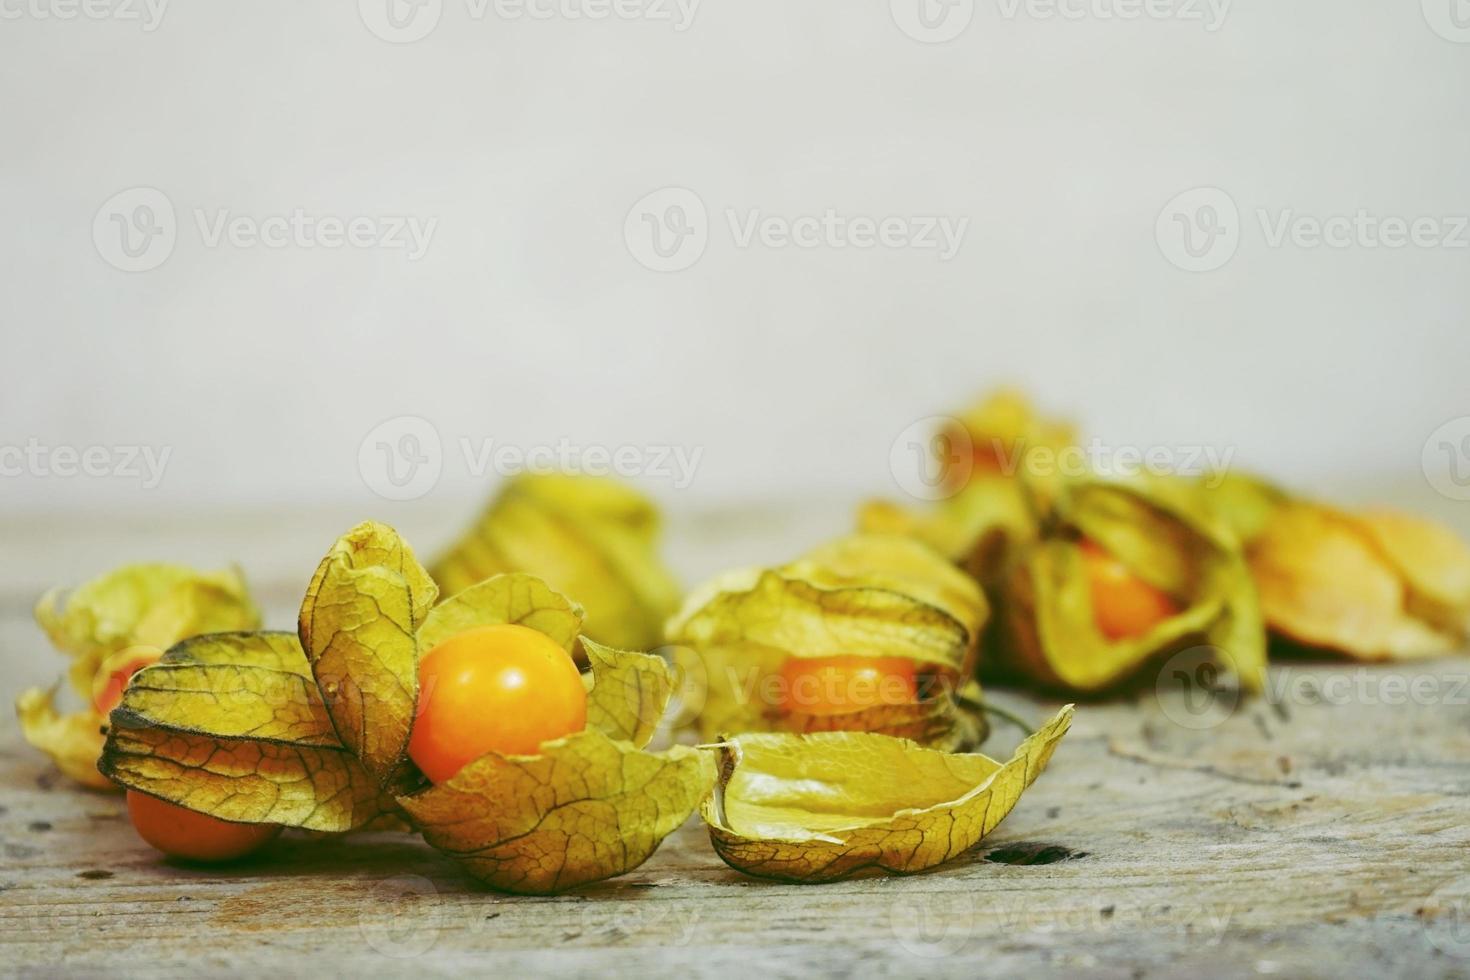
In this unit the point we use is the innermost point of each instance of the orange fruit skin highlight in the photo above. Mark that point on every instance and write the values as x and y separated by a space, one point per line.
183 833
1123 605
107 690
502 689
842 684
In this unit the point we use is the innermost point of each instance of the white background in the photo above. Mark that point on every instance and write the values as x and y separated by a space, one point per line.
529 320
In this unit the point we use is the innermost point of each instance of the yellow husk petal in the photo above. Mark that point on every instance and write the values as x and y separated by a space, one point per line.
591 538
358 625
72 741
134 611
518 599
233 725
150 605
588 807
814 808
627 693
1375 587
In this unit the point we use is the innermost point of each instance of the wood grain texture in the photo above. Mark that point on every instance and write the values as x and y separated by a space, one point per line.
1323 830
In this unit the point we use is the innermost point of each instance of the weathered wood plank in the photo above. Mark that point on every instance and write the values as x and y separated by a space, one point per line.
1306 839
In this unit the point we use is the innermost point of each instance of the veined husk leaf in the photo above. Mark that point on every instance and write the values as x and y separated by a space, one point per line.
233 725
359 626
589 806
1375 586
135 610
1052 634
814 808
591 538
875 596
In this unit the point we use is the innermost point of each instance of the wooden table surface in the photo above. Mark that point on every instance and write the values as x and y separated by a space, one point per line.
1323 830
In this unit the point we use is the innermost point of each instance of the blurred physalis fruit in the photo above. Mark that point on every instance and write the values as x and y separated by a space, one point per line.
193 836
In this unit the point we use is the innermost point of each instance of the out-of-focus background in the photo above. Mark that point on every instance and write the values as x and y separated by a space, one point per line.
290 265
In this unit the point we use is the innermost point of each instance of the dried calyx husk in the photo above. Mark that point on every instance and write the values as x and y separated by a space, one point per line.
591 537
114 623
1374 585
987 460
880 602
311 729
815 808
1052 633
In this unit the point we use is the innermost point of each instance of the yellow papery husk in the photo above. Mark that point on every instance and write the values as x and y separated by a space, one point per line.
588 537
1375 585
73 741
586 807
817 808
136 611
233 725
881 596
1051 634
